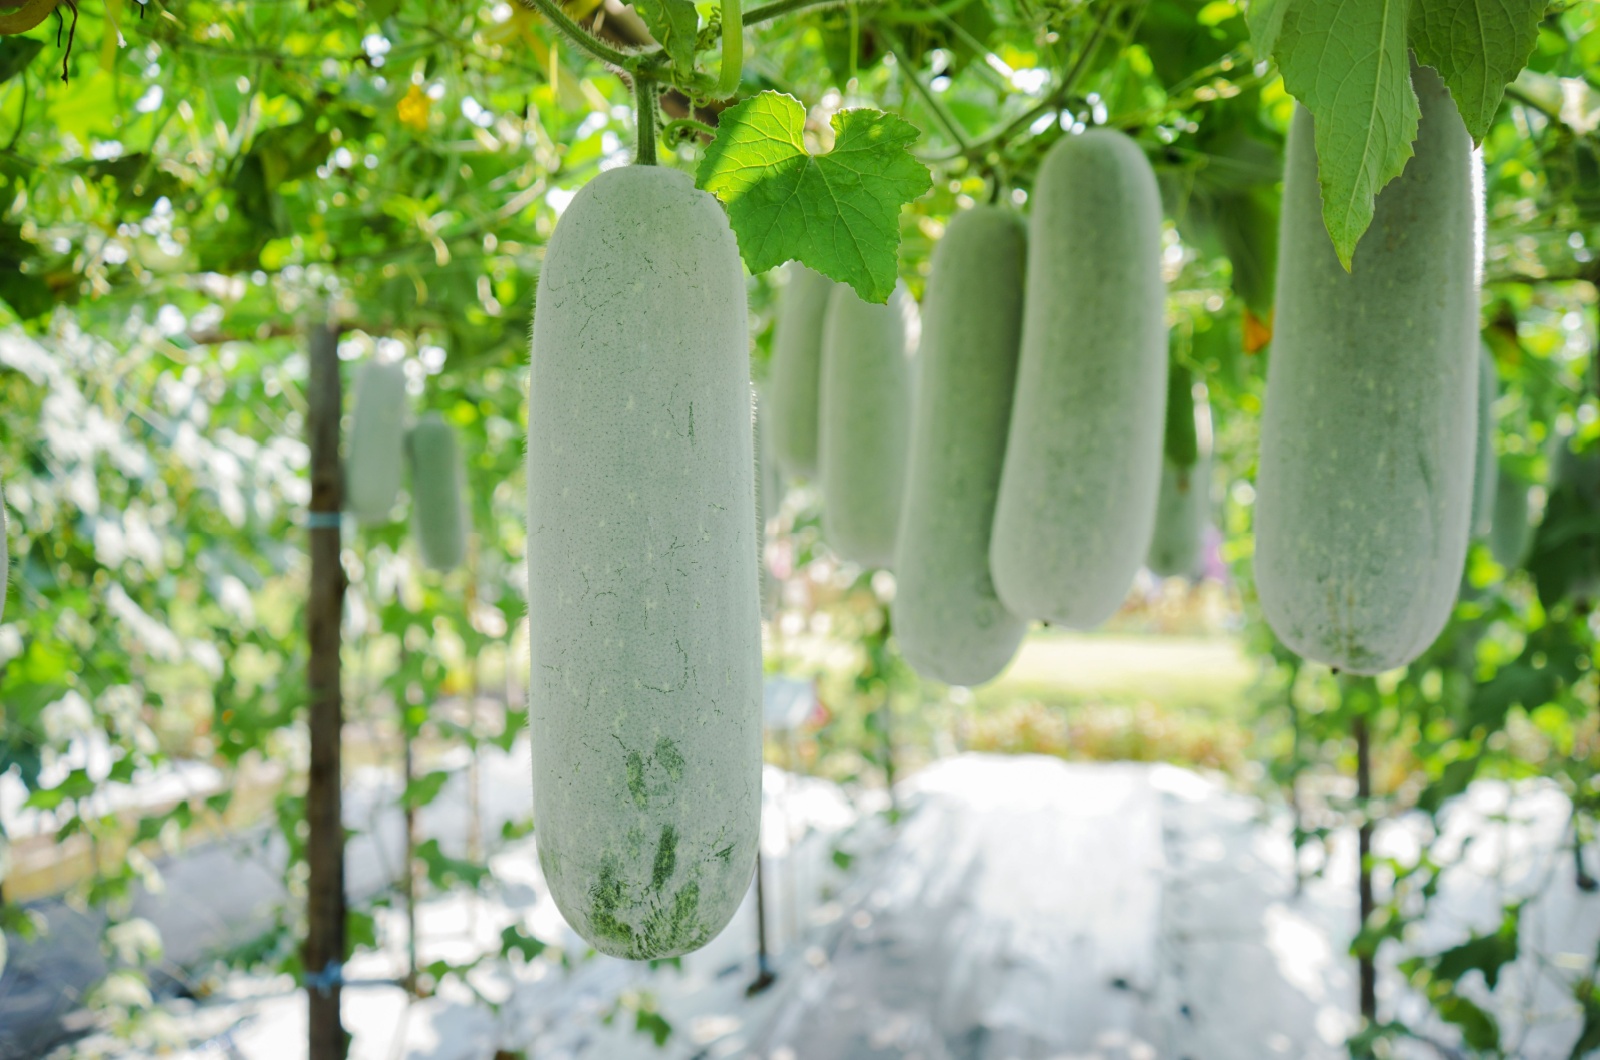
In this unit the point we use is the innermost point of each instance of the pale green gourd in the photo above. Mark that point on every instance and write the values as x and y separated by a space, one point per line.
1512 529
797 367
769 497
949 623
643 595
1368 437
1183 506
377 441
864 422
439 511
1486 468
1077 497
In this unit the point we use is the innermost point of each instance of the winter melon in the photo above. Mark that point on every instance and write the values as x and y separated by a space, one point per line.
1077 498
1486 469
439 513
950 624
377 441
1512 529
1184 502
769 497
797 367
1368 435
643 596
864 422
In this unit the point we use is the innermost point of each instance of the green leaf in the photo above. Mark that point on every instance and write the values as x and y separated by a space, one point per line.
1478 47
424 789
15 55
675 25
1265 19
838 213
1346 60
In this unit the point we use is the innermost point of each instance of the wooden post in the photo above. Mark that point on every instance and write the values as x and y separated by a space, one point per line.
325 905
1368 969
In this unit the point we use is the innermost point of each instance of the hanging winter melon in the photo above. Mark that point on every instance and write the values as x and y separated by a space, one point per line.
643 596
1077 497
797 367
1370 420
1486 468
864 422
1512 528
439 511
377 441
950 624
1184 502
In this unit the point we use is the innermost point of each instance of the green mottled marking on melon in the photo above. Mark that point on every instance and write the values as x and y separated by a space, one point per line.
1512 528
797 367
377 441
1363 501
864 423
1486 469
1077 498
439 511
643 598
950 624
1184 503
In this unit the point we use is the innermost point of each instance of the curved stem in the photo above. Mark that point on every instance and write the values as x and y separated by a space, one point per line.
732 50
779 8
935 105
551 10
644 98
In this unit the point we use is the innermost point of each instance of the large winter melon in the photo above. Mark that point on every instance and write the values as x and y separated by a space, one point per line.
1368 435
864 422
377 441
797 367
1486 468
643 597
1078 494
950 624
1184 502
439 510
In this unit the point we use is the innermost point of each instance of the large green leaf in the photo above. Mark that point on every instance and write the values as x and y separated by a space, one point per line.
838 213
1347 61
1478 47
15 55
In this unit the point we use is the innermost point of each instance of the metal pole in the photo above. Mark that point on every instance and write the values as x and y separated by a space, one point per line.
325 902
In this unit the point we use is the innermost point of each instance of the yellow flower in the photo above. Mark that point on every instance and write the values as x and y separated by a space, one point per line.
414 109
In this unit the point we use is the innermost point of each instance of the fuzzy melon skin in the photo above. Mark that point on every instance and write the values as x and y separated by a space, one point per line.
1486 470
1368 436
1078 492
950 624
797 368
643 592
377 442
865 422
439 512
